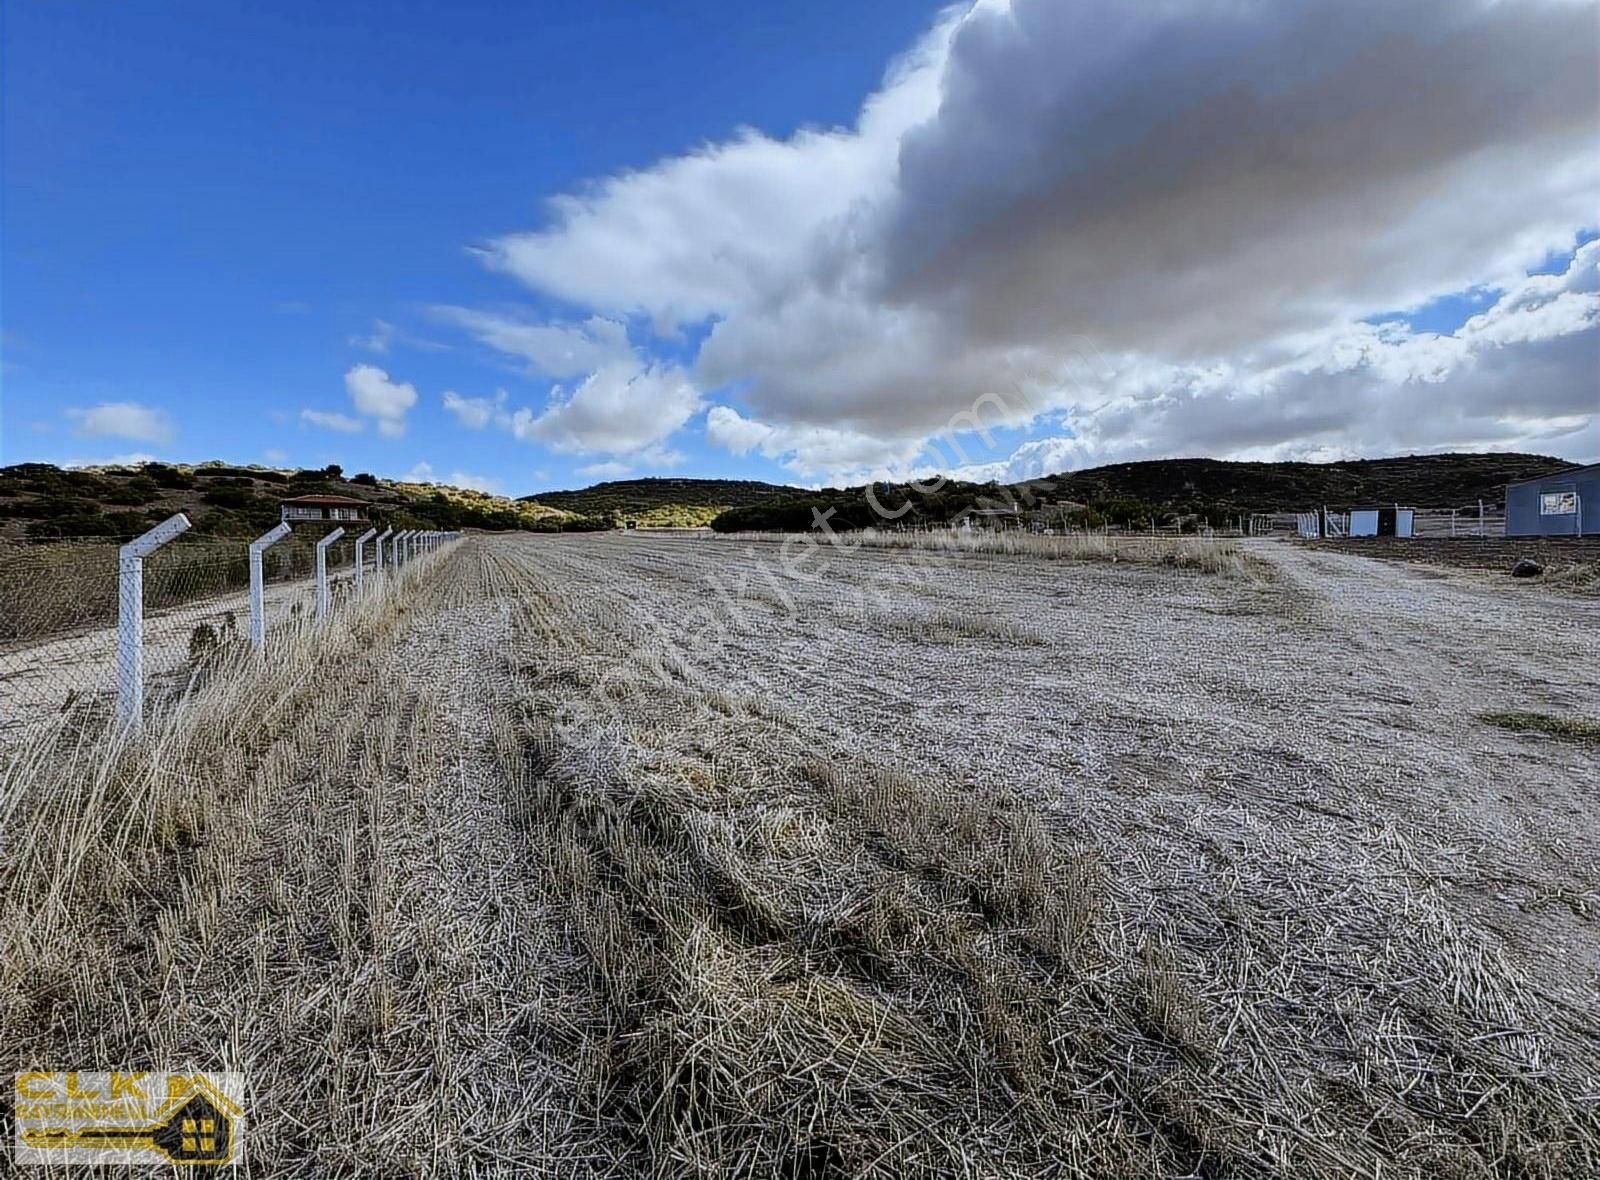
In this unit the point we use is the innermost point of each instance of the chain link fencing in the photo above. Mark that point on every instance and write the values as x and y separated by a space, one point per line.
58 640
59 612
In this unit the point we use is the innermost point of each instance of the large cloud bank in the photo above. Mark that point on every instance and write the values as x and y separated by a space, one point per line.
1140 229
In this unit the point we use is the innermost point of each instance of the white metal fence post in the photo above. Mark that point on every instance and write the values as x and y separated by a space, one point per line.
377 567
322 572
258 612
361 542
130 615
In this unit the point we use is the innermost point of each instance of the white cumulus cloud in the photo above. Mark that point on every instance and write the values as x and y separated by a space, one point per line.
550 349
332 420
476 412
123 420
618 409
1164 226
621 403
422 472
607 469
376 396
126 459
378 340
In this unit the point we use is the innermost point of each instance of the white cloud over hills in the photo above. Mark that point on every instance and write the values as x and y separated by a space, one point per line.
133 420
1147 229
376 398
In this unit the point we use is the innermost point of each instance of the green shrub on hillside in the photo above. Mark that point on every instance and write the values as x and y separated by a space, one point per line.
168 477
230 497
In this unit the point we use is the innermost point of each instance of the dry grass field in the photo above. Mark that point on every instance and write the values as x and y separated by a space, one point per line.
619 855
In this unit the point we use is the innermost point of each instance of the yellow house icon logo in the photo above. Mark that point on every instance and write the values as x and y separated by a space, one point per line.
128 1117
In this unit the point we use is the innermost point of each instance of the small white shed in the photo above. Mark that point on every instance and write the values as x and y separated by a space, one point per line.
1381 522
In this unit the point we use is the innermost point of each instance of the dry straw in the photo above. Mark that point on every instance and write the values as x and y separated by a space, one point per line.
489 883
1206 554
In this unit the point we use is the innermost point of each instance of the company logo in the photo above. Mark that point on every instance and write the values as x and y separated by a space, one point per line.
126 1117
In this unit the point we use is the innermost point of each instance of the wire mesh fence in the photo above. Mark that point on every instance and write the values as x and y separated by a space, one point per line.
1480 520
59 611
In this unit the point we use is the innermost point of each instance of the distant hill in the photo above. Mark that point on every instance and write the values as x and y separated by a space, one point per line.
1171 490
1423 481
39 500
663 503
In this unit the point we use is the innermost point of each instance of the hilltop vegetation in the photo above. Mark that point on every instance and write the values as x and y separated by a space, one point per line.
38 500
663 503
41 501
1185 492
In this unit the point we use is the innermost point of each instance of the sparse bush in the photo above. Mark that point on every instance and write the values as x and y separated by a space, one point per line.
202 642
135 492
1565 726
231 498
1582 577
168 477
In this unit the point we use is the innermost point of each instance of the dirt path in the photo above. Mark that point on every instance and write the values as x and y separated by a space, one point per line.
1466 635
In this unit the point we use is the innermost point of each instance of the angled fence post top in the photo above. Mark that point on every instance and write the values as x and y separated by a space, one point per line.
377 565
271 537
130 615
322 571
361 561
258 613
148 543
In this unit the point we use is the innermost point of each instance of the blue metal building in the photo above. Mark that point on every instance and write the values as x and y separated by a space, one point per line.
1566 504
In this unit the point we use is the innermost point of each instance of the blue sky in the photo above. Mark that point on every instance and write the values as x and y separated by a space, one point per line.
208 206
530 246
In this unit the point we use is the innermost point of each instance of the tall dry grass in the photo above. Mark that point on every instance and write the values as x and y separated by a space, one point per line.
219 892
484 883
1577 577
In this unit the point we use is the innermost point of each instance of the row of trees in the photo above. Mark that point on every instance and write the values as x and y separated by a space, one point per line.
885 505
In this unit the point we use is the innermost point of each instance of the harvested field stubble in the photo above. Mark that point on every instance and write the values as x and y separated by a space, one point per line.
521 881
1212 555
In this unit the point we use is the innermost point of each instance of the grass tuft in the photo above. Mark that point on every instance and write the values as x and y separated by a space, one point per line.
1567 727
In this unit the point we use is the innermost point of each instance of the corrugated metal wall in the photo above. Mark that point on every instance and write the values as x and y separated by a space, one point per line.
1523 518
